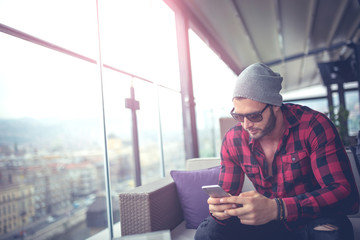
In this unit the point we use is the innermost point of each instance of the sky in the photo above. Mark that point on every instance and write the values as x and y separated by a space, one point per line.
38 82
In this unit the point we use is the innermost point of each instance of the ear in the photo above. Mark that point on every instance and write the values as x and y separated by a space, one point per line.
276 109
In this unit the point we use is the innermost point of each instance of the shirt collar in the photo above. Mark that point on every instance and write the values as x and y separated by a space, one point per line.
290 114
290 120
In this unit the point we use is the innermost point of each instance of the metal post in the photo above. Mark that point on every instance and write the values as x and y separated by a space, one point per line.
187 94
133 105
330 101
106 158
341 95
343 119
356 48
161 142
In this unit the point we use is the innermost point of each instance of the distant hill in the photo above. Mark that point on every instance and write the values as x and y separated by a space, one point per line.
50 133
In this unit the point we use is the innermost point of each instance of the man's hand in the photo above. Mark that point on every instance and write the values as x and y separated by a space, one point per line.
217 209
256 209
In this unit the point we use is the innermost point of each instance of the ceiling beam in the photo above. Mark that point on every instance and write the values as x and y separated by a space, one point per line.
312 52
310 23
280 36
309 28
247 31
355 26
334 27
280 28
336 23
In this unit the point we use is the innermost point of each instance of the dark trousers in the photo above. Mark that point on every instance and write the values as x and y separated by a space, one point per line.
209 229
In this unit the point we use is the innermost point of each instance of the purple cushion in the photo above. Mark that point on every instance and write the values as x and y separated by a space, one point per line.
192 198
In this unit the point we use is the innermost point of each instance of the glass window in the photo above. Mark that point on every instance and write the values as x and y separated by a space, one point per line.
172 129
353 106
57 22
51 122
213 85
118 119
320 105
119 131
140 37
148 124
51 132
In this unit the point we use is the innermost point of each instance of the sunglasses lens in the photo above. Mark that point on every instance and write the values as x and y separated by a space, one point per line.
235 116
239 118
254 117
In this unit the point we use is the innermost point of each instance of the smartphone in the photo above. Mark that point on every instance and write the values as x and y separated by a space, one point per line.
215 191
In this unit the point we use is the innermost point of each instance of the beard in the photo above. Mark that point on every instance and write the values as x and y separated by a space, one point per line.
270 125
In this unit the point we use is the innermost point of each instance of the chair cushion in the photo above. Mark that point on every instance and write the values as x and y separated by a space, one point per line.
192 198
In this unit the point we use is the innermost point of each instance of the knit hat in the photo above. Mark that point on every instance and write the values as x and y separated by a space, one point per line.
259 83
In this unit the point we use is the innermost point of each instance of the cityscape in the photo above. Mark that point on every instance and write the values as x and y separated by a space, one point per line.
52 177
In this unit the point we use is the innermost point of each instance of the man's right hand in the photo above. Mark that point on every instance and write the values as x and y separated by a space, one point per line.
217 209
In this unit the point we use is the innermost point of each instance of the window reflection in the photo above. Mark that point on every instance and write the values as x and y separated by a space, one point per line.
172 131
118 128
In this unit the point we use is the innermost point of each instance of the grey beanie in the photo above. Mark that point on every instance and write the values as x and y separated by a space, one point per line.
259 83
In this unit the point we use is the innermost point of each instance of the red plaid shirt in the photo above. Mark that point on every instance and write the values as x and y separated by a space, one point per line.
311 170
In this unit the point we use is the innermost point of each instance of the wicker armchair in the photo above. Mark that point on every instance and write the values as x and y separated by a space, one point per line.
155 206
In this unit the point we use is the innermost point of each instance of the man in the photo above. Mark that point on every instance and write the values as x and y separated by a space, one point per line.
296 161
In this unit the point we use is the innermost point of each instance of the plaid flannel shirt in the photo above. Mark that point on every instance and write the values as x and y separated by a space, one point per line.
311 170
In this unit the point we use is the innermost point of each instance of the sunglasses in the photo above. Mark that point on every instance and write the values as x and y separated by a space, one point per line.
253 117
